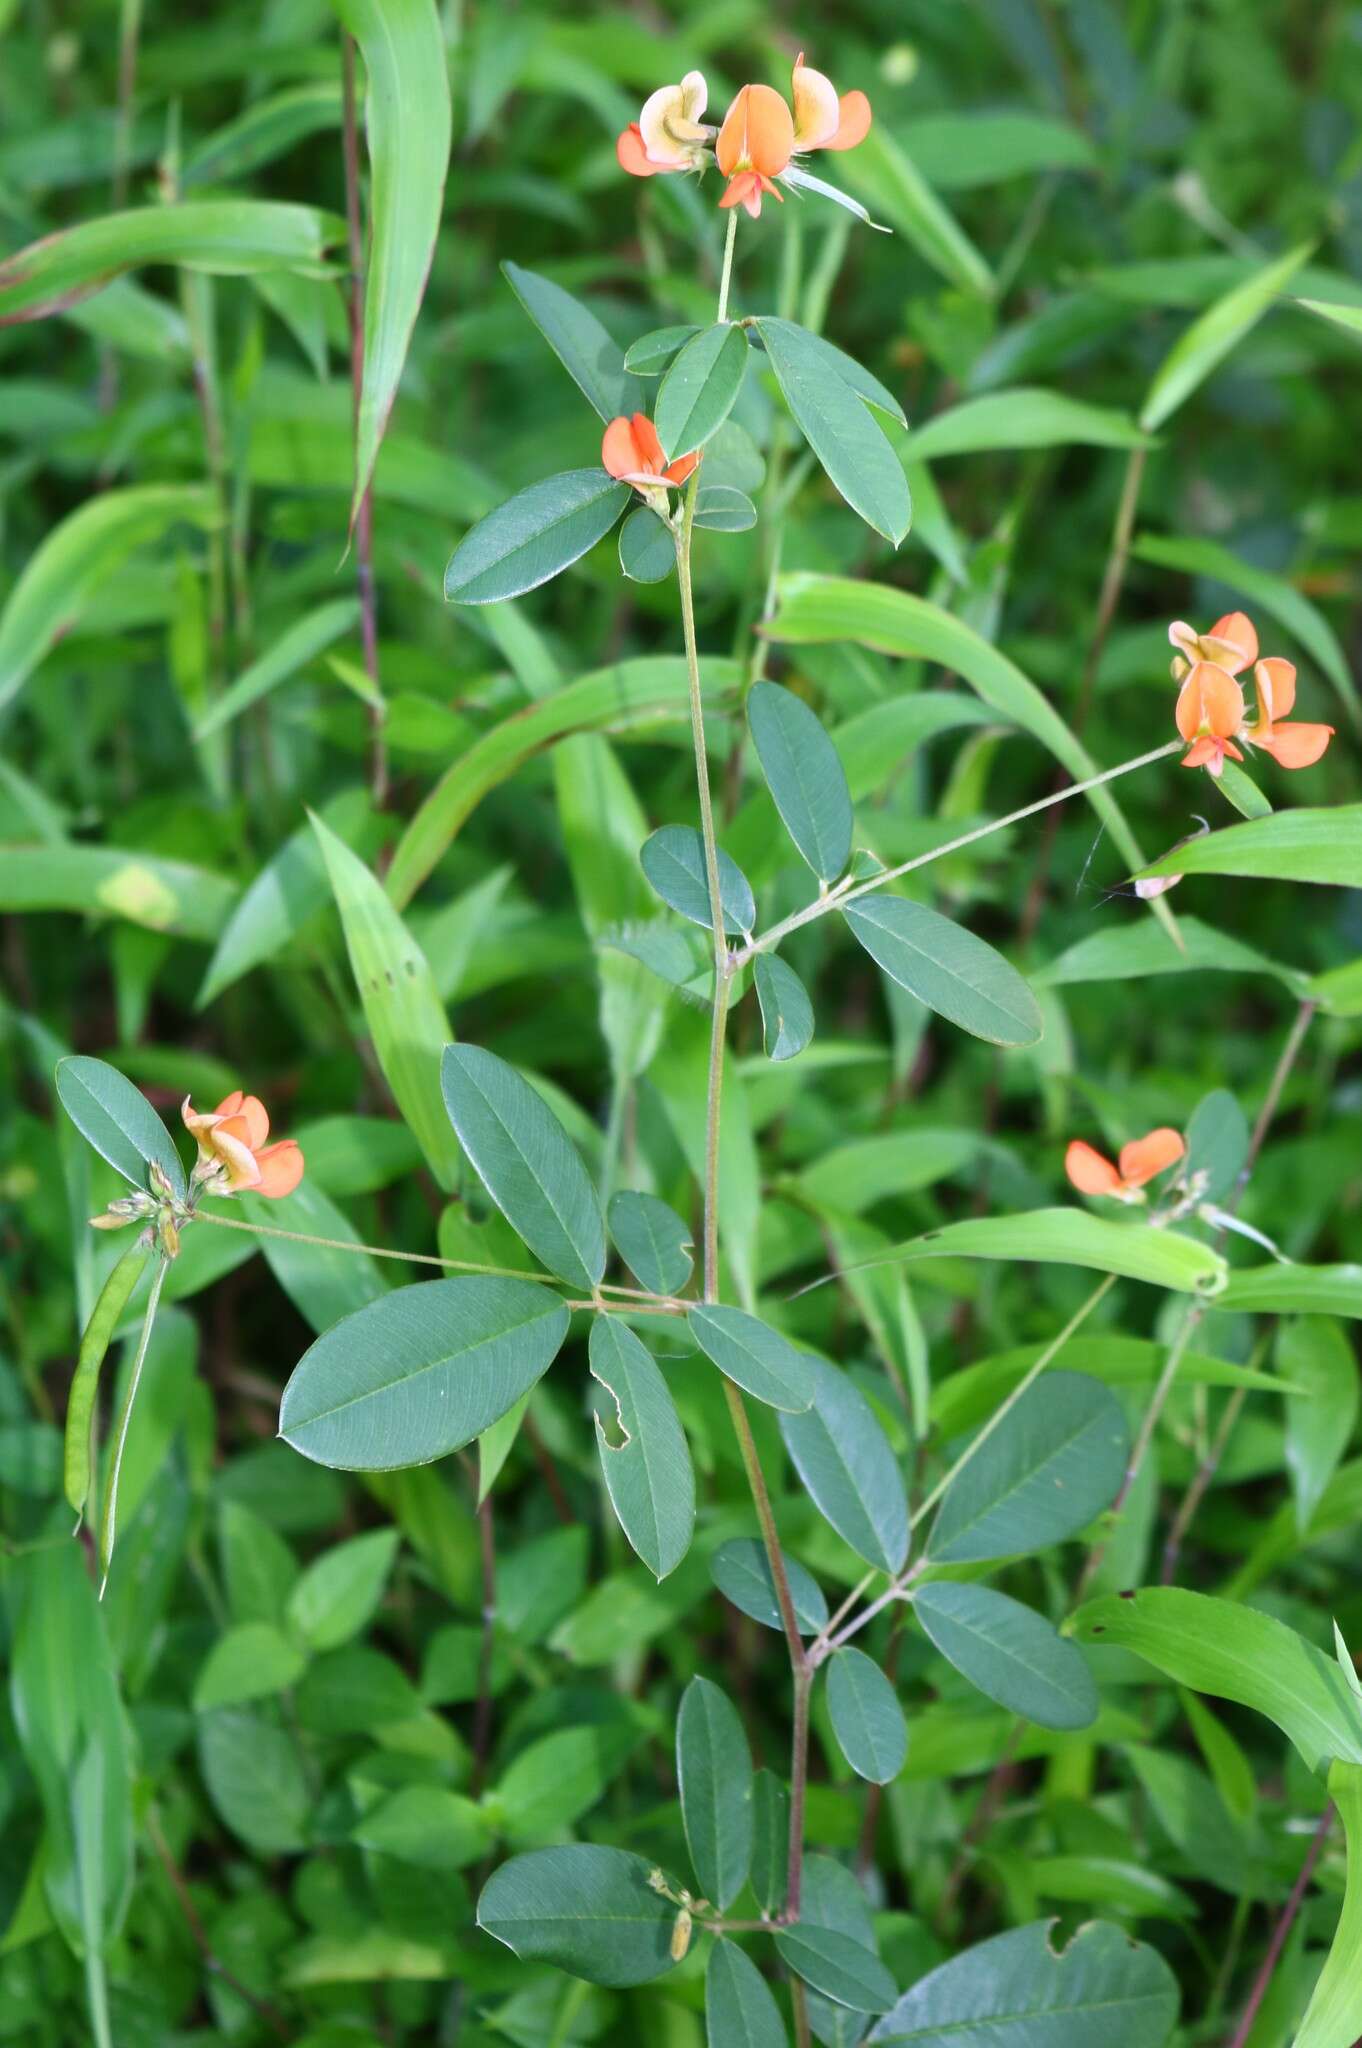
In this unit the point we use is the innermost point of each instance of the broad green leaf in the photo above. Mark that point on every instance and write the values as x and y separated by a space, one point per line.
1314 1354
1217 1144
647 549
1194 555
557 1779
754 1356
786 1012
105 1317
770 1840
1022 1990
627 696
117 1120
817 608
714 1775
590 1910
426 1825
1023 418
402 1008
301 643
804 775
230 237
885 176
64 574
1339 989
1235 1653
535 535
723 509
947 968
1011 1653
741 1570
1333 2017
1070 1237
1052 1464
644 1454
579 341
1288 1290
673 859
247 1663
652 1239
1212 336
833 420
849 1469
1134 952
339 1593
526 1161
740 2010
420 1372
265 131
966 149
854 375
407 128
109 881
651 353
1290 846
700 389
866 1716
969 1396
843 1969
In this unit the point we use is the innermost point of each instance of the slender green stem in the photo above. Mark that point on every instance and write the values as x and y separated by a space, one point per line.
364 517
839 897
726 274
97 1997
108 1520
640 1295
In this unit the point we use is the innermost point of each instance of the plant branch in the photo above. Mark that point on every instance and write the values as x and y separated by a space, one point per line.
212 1962
837 898
108 1520
1285 1921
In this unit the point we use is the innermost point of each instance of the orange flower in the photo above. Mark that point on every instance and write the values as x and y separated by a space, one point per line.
1092 1174
231 1142
1210 711
631 451
1231 644
760 136
1294 745
669 134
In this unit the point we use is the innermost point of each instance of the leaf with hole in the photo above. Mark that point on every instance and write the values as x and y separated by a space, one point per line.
643 1450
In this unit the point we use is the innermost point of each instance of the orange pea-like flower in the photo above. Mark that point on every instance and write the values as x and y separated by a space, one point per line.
1094 1174
1231 644
631 451
232 1148
1296 744
822 120
755 145
669 134
1210 711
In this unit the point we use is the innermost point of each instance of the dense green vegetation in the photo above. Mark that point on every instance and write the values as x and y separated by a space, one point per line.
644 1487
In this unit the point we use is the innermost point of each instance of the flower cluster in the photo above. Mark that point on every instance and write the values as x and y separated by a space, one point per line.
233 1156
756 146
1211 714
1136 1165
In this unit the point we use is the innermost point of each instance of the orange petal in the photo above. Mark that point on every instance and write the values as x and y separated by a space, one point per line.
252 1114
677 472
757 135
238 1158
816 110
618 453
1209 701
281 1169
1199 753
647 444
632 155
1276 680
1144 1157
1297 745
744 189
230 1104
1238 637
1090 1173
854 123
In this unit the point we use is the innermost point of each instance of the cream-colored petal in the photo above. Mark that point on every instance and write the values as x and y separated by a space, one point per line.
817 111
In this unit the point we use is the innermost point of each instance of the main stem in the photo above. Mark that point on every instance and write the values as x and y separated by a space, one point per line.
800 1668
